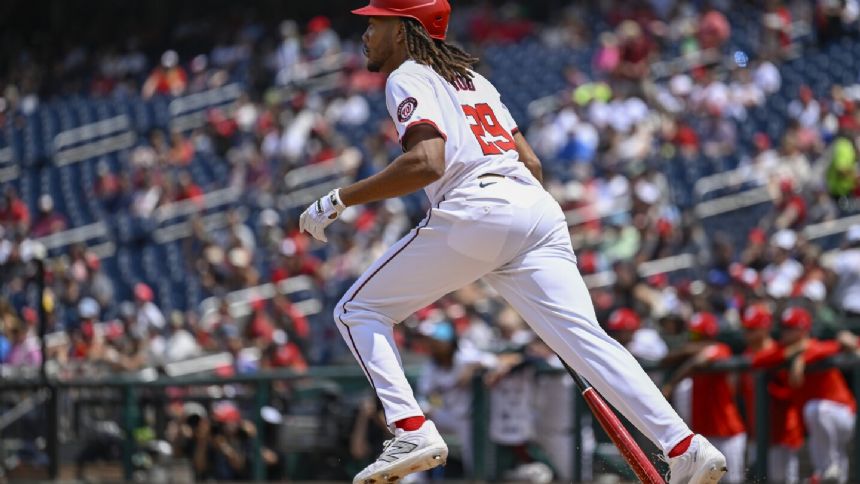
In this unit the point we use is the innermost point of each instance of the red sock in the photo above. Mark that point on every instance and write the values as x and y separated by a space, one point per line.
410 423
681 447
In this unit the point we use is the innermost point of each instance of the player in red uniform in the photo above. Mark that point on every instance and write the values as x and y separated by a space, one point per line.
714 414
786 426
828 406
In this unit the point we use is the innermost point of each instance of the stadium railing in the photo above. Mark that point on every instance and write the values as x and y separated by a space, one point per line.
133 390
189 112
94 139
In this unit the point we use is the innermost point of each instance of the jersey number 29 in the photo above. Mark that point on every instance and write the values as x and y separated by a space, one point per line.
484 122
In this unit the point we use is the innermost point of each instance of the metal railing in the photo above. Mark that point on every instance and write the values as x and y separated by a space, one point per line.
133 388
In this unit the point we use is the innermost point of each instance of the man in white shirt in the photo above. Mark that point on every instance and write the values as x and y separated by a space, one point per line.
779 275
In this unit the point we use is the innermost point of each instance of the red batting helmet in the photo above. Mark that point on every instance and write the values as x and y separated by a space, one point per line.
797 318
705 324
432 14
623 320
757 316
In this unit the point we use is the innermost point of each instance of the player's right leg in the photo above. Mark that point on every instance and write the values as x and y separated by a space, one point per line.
446 252
833 427
545 287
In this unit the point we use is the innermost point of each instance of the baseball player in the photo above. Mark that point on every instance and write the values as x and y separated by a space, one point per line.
826 401
786 426
714 412
491 219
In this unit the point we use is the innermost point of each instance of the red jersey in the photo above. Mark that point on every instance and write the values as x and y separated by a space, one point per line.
786 422
714 411
828 384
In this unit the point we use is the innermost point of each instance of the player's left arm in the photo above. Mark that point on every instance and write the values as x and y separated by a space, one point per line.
528 156
820 350
422 164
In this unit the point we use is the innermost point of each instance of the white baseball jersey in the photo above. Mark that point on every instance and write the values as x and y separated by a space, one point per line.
507 231
477 127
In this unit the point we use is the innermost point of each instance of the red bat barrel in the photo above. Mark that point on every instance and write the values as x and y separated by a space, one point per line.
622 439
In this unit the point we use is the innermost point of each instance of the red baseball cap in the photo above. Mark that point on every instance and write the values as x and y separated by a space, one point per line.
797 318
318 24
705 324
757 316
226 412
143 292
432 14
623 319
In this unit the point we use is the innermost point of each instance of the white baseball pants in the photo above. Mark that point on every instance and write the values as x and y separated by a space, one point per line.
830 426
513 234
734 448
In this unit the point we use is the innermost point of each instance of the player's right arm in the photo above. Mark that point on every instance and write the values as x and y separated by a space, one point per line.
421 164
528 156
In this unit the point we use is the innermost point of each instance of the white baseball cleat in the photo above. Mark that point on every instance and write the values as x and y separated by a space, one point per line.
406 453
701 464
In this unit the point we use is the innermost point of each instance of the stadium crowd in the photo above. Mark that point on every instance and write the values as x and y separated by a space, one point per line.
606 141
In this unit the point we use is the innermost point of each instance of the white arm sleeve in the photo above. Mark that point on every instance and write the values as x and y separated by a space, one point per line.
412 101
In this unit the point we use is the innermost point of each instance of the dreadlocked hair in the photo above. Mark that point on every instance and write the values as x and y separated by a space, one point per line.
449 61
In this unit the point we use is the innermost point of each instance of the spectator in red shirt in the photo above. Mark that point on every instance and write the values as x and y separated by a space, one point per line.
260 328
686 139
636 51
188 190
13 210
283 353
295 262
292 320
48 221
790 207
181 149
168 79
777 23
714 30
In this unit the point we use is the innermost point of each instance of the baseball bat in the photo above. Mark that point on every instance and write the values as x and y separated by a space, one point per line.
622 439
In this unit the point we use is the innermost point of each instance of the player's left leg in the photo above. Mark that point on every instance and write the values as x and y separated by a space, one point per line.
544 285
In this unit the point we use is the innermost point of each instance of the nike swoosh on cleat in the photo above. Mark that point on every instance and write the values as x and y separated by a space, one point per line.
485 185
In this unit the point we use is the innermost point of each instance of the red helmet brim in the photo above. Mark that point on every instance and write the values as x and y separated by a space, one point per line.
371 11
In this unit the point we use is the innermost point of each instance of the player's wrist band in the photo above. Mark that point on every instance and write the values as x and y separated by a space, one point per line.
334 196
